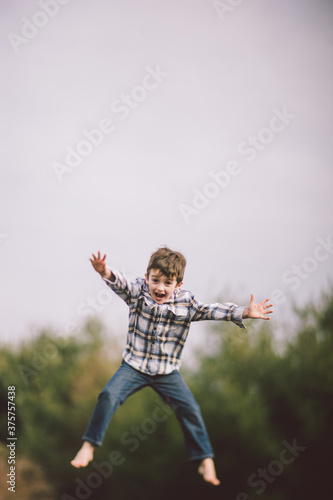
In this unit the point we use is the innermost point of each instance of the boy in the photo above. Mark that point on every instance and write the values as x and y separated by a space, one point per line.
160 313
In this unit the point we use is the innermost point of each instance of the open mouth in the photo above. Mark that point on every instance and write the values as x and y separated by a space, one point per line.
159 296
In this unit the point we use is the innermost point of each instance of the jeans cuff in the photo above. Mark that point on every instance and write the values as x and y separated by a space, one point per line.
200 458
91 441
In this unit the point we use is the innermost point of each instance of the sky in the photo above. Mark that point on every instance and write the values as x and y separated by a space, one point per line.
127 125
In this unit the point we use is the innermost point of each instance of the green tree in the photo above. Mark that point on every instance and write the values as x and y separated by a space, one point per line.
256 398
268 412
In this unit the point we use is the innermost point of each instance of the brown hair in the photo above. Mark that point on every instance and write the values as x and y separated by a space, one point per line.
171 264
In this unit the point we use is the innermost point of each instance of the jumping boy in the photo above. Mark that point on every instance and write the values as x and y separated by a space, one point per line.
160 313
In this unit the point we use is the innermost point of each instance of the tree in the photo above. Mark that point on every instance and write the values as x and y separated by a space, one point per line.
268 412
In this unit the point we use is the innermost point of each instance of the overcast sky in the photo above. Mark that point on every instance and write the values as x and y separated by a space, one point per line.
131 124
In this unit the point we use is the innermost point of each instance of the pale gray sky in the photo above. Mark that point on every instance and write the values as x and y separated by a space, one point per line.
180 91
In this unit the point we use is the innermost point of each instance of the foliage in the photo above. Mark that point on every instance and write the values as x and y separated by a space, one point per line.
257 402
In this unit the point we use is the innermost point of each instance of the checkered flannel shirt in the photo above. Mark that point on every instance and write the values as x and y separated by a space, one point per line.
157 332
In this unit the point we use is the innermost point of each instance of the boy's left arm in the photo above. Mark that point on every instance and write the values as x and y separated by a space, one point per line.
230 311
258 311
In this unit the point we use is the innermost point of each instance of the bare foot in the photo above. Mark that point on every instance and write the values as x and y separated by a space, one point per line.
207 470
84 455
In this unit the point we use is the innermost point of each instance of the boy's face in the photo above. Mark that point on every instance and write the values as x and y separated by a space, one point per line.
161 287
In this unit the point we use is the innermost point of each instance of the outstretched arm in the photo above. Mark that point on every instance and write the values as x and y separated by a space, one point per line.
127 290
99 264
258 311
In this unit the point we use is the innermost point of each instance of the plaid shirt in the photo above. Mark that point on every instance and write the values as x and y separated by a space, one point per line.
157 332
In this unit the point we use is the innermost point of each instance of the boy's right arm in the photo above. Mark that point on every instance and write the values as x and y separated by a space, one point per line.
99 264
127 290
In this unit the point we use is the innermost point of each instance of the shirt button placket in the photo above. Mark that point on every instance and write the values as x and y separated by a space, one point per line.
158 316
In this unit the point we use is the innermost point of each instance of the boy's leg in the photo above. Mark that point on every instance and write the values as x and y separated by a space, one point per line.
176 394
125 381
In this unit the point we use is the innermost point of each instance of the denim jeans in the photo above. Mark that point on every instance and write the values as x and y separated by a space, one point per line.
171 388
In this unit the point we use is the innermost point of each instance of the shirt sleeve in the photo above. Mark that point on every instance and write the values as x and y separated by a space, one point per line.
217 312
127 290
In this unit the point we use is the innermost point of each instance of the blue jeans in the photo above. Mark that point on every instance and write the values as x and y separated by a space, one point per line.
171 388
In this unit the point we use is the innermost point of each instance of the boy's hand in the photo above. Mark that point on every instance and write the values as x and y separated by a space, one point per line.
99 265
258 311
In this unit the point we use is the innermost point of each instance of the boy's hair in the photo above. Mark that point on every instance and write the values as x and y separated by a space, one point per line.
171 264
